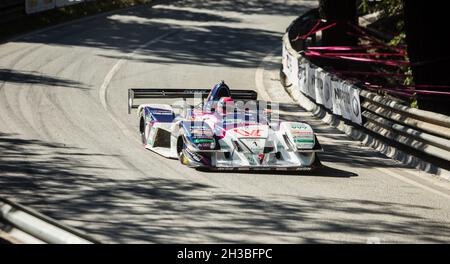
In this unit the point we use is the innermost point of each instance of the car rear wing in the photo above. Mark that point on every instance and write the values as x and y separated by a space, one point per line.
182 93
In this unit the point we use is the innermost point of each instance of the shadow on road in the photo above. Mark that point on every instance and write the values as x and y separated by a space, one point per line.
201 34
25 77
260 7
51 179
321 171
64 183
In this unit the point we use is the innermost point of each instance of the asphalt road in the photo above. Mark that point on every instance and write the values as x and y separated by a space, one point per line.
69 149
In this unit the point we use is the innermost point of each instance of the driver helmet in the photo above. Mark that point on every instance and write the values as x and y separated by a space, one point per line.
225 104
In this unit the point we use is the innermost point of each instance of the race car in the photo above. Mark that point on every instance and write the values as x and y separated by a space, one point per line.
230 130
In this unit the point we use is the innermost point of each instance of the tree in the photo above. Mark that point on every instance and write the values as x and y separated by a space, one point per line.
342 12
426 25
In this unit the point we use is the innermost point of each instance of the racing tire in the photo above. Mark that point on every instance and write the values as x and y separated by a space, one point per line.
316 164
183 158
142 127
181 152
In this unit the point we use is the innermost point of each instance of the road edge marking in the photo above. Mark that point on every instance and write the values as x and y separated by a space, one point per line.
103 91
259 75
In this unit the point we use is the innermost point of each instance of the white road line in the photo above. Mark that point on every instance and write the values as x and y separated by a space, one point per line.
110 75
259 76
259 82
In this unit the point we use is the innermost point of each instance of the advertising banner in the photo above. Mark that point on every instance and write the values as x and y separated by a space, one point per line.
336 95
319 86
284 55
60 3
311 86
302 68
293 64
327 91
345 100
290 67
355 105
34 6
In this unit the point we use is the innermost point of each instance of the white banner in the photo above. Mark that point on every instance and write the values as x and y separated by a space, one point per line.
346 102
293 63
346 107
34 6
327 91
302 68
340 97
311 86
319 86
284 58
336 95
290 67
355 103
60 3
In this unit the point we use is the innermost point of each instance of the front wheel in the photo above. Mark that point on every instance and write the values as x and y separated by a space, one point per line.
181 151
183 158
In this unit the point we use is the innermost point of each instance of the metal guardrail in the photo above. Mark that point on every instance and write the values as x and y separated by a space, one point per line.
422 131
35 227
427 121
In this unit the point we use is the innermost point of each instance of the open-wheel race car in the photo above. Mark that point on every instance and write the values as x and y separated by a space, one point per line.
225 130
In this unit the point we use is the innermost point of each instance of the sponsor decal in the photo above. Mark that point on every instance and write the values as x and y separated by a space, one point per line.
303 140
302 132
232 120
161 113
204 132
202 140
151 134
248 132
256 146
299 127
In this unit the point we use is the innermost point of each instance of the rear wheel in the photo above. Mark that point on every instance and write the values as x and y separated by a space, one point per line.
142 127
316 164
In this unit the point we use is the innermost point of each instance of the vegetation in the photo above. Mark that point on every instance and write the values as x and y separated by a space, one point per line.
24 23
419 26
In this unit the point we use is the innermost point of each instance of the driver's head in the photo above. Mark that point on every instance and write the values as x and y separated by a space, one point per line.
225 105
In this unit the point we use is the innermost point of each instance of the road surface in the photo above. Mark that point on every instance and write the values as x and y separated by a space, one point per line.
69 149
